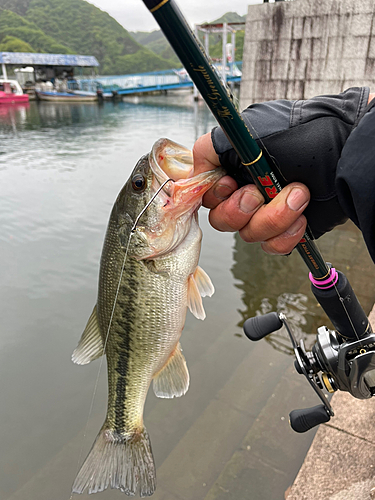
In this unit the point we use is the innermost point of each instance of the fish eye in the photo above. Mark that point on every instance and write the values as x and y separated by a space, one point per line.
138 183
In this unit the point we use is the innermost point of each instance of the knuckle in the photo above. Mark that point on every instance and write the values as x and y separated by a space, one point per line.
276 249
272 224
281 245
247 235
218 220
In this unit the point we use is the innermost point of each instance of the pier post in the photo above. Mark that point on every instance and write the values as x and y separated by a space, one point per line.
233 40
4 71
195 93
207 43
224 76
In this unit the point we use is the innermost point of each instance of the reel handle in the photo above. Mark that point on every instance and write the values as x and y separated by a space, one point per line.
260 326
307 418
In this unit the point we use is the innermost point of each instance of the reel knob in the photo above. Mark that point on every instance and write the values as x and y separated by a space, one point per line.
260 326
306 419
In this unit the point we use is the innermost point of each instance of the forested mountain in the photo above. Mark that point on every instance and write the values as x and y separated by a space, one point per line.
74 26
78 27
19 35
156 41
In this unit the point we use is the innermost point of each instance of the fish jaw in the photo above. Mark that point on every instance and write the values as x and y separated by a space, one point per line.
169 160
186 194
183 194
176 212
167 221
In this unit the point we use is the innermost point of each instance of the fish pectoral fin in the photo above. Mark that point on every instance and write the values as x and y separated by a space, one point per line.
194 299
90 346
204 283
173 378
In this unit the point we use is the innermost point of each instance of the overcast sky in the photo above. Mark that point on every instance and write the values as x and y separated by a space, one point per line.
134 16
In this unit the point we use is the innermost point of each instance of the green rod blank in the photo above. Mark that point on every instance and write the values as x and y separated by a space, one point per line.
204 76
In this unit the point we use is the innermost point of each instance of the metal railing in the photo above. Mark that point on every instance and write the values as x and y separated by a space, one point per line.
141 82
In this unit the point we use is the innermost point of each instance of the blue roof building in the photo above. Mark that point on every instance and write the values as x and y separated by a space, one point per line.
63 61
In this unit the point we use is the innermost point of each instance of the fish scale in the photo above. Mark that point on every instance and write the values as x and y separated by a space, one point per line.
149 334
138 322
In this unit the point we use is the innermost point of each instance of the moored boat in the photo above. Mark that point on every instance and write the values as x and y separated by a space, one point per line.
68 96
64 91
11 92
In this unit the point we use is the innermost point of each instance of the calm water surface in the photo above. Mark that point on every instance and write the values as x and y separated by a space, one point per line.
61 168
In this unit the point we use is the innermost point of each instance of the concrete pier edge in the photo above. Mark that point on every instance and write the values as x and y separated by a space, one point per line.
340 464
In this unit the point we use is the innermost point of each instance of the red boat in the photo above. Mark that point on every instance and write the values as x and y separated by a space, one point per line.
11 92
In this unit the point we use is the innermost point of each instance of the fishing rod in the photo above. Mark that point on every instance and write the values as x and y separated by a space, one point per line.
343 359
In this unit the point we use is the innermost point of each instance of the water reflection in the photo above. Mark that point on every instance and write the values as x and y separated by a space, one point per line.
61 168
270 283
13 114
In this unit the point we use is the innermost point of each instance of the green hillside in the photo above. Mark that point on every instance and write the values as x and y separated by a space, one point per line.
156 41
19 35
74 26
230 17
78 27
215 39
147 37
216 50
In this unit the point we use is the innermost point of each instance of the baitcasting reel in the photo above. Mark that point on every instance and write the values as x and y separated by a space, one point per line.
343 359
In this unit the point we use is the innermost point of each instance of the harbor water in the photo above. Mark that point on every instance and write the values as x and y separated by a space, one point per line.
61 168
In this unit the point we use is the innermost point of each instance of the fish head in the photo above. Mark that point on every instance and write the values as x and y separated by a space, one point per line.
160 200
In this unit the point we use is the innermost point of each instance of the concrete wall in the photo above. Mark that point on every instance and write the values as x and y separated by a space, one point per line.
301 48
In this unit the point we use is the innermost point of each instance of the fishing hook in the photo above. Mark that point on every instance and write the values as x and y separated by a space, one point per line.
133 229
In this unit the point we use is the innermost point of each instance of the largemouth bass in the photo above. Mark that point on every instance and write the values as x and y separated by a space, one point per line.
149 276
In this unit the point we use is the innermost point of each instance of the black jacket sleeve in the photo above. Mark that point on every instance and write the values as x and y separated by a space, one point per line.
303 141
355 178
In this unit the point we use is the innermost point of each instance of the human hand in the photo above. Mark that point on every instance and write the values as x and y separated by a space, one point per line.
278 225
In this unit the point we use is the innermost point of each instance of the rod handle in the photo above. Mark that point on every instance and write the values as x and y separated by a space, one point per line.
260 326
307 418
335 300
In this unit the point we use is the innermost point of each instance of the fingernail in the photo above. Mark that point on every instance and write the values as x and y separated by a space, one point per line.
249 202
296 199
294 228
222 192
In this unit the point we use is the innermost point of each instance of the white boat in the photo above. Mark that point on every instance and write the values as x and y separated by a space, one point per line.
64 91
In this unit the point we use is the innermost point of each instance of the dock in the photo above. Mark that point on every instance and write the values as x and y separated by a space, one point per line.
172 79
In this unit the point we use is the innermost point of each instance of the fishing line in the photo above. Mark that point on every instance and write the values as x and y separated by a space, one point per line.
148 204
102 357
133 229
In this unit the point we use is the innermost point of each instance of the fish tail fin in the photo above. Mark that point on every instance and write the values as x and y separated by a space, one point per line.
119 461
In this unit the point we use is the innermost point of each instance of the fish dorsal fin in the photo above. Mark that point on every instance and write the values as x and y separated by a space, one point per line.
204 283
173 378
90 346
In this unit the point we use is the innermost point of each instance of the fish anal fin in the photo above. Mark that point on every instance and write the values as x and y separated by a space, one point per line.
173 378
194 299
118 461
204 283
90 346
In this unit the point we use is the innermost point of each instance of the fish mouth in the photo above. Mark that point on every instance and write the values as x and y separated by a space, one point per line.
171 161
175 203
